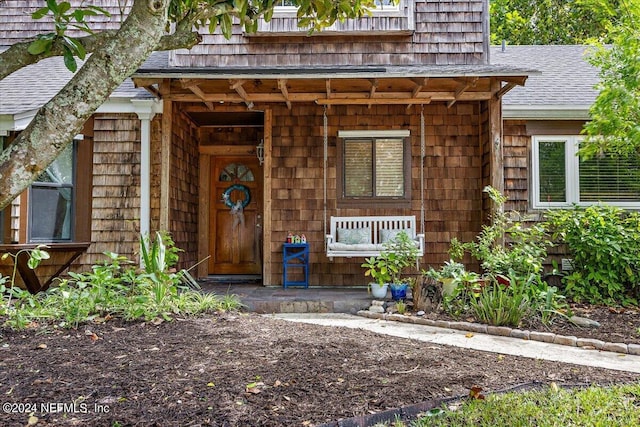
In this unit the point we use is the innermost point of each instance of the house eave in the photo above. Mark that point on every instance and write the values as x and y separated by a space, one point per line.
19 121
545 112
435 71
409 85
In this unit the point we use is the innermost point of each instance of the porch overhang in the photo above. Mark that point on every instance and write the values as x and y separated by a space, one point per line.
407 85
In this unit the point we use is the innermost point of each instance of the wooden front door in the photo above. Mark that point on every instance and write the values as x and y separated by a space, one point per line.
235 240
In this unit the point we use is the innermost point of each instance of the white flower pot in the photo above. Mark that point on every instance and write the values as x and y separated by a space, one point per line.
379 291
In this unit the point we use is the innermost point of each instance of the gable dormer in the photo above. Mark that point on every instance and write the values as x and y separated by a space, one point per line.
417 32
386 19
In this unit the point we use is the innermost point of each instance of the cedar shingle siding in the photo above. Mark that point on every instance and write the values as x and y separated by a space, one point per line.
442 47
446 33
116 187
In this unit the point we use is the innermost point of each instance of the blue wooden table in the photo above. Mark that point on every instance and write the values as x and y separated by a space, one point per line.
295 255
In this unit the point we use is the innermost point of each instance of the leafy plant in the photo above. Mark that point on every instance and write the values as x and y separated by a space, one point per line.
397 254
450 270
17 298
506 247
550 304
115 288
604 243
377 269
65 17
401 306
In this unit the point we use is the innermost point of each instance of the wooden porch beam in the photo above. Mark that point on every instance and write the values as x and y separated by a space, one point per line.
517 80
372 91
187 83
313 96
461 89
234 84
282 85
376 101
237 86
150 85
420 84
200 94
496 155
328 87
506 88
165 158
142 82
153 91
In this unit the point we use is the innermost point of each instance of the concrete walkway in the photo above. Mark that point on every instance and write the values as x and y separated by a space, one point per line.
475 341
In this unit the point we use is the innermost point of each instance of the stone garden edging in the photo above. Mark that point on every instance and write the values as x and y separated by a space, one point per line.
505 331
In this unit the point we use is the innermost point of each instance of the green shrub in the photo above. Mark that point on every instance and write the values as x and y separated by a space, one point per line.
506 246
604 242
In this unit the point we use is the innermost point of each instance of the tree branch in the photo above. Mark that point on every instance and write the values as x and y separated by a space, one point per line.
18 56
58 121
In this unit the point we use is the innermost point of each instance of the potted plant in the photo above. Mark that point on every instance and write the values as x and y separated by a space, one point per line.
398 254
387 268
376 268
448 275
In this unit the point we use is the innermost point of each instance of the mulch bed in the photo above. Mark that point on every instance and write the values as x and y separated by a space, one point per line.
246 370
617 324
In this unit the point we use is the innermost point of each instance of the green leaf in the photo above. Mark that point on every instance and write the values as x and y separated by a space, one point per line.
79 14
76 47
53 6
69 60
40 13
226 26
63 7
39 46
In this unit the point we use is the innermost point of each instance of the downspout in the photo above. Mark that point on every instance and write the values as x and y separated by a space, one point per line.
146 110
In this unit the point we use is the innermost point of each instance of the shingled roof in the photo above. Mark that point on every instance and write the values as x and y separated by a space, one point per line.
563 90
31 87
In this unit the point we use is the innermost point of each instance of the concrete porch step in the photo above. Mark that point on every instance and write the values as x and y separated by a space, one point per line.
261 299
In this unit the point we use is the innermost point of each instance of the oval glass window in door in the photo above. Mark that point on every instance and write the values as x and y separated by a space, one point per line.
234 172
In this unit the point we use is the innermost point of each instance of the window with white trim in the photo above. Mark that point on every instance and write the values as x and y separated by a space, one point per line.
374 166
51 200
381 6
561 178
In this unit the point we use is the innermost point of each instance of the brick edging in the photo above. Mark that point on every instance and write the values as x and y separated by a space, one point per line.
505 331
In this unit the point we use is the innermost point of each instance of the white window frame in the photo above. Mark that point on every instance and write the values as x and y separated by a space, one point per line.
572 175
292 11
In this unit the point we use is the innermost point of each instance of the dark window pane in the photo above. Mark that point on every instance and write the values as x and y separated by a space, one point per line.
552 177
51 200
51 213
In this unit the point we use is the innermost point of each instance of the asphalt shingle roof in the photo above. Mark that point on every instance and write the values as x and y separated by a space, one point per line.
566 78
31 87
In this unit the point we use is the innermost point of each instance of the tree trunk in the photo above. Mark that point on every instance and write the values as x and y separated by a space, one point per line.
63 117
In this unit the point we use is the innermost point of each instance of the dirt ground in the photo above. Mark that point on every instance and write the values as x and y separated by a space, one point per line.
246 370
